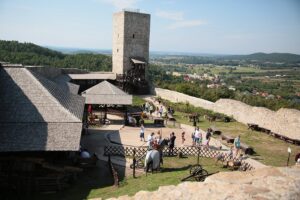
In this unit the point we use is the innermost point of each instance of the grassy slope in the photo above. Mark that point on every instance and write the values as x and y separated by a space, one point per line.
269 150
137 101
94 183
174 170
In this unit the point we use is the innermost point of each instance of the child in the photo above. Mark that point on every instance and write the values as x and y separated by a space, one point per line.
182 138
193 138
142 133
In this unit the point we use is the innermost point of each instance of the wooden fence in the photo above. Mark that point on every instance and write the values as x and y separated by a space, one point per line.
141 152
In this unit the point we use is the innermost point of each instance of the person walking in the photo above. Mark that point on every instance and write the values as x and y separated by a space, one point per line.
151 109
142 133
159 137
198 137
182 138
208 136
150 141
157 111
193 138
161 110
147 105
172 143
237 145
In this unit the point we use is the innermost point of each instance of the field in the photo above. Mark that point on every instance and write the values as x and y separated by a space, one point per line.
225 69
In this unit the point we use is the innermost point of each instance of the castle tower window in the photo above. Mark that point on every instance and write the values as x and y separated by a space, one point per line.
132 35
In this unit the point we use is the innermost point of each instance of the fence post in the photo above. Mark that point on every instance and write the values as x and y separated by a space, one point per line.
113 172
134 163
198 155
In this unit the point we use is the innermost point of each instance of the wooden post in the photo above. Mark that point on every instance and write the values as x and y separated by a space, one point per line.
198 155
288 160
113 172
105 112
134 163
194 121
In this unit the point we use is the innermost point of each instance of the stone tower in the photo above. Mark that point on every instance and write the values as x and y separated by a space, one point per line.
131 32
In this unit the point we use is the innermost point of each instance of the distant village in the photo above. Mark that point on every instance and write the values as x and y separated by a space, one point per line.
215 81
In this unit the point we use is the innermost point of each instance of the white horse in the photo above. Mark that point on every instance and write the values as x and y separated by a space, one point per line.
152 159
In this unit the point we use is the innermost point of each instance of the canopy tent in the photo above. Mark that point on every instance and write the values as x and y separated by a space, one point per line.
106 93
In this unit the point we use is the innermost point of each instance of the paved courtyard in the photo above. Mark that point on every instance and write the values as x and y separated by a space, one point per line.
116 132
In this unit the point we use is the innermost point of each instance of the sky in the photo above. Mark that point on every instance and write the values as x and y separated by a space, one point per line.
198 26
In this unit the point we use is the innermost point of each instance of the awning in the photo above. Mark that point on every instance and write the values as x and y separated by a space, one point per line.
136 61
94 76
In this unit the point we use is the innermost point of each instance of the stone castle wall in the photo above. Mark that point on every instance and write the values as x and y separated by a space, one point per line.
266 183
284 121
131 33
180 97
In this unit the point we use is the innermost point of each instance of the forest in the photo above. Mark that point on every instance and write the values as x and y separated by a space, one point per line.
31 54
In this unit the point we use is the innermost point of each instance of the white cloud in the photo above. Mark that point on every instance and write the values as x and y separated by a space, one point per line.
121 4
179 20
170 15
186 24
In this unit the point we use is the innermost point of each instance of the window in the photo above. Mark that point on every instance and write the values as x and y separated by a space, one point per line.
117 50
132 35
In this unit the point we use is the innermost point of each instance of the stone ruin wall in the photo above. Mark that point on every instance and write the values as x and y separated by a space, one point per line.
267 183
284 121
177 97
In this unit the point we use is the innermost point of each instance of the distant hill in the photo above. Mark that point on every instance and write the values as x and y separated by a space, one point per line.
68 50
264 57
278 60
31 54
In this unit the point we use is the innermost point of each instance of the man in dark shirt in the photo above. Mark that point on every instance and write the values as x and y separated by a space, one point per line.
172 143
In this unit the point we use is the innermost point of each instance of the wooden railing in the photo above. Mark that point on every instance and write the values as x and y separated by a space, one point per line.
140 152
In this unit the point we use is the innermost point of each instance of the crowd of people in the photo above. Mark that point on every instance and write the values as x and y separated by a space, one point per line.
155 141
197 138
159 110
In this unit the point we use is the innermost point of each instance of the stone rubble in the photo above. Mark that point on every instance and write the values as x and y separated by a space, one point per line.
261 184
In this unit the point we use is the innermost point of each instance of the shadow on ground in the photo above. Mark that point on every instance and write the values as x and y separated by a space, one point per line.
176 169
95 177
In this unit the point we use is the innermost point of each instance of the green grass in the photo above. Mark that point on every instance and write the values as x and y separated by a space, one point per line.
137 101
173 171
225 69
96 182
269 150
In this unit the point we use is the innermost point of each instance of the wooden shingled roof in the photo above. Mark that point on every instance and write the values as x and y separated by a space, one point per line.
37 114
106 93
63 82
